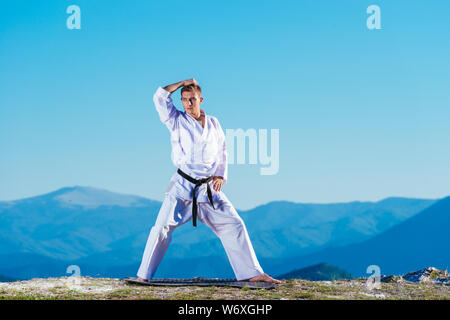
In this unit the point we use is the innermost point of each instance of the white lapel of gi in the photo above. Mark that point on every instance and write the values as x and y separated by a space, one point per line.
203 131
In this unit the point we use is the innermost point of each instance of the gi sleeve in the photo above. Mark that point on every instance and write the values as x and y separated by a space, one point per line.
222 156
165 108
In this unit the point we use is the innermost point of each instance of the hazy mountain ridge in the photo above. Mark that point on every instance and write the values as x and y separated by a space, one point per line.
412 244
103 231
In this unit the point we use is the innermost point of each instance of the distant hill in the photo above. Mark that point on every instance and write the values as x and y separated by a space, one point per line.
418 242
318 272
28 265
72 222
6 279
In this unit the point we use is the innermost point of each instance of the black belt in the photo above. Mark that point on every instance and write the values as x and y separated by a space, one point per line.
197 183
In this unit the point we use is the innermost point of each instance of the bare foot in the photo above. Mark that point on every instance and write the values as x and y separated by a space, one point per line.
264 278
142 279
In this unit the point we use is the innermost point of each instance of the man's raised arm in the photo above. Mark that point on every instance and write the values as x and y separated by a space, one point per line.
164 104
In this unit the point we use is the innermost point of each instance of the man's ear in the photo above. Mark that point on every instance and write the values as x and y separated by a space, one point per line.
201 99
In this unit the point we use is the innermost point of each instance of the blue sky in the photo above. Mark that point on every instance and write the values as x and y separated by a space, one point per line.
362 114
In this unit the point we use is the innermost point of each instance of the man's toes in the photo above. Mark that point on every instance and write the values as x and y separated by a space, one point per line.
264 278
270 279
276 280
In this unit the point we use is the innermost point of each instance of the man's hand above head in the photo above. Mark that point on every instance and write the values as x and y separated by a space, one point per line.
190 81
175 86
217 183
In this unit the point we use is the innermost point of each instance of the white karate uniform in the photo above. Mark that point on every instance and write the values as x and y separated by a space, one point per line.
200 153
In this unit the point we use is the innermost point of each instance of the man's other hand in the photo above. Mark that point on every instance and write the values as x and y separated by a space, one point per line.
217 183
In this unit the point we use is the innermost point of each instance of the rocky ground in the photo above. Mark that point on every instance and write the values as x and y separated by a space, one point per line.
429 283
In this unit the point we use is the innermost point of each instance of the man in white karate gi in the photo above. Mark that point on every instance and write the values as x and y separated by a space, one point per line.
199 152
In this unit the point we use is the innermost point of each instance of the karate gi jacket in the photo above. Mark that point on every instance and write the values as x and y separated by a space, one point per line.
199 152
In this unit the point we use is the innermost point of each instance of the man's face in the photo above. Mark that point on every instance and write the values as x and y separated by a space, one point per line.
191 102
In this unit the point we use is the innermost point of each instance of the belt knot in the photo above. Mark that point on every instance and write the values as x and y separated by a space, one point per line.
197 183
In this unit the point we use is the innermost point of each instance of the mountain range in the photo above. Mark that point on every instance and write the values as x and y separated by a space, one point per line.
105 233
413 244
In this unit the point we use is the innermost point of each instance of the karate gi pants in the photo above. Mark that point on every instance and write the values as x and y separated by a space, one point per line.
224 222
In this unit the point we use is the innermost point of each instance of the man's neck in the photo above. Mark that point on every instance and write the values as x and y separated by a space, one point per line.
199 117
